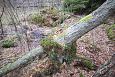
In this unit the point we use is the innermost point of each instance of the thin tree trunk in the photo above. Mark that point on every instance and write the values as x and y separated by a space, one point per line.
1 26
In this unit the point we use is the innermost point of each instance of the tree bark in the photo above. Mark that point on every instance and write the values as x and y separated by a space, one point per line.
106 70
69 35
87 23
1 26
23 61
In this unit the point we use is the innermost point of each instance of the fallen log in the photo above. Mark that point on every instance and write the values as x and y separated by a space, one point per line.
21 61
86 24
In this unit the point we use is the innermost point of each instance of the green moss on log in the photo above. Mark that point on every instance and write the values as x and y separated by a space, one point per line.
58 53
86 18
48 43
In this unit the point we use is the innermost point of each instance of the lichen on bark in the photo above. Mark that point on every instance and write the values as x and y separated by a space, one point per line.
86 18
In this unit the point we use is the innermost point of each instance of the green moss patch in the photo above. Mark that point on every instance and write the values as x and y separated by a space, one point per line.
49 44
37 19
88 64
81 75
85 63
111 32
57 52
8 43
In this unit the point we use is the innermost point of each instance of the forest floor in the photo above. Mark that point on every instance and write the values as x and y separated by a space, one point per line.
94 45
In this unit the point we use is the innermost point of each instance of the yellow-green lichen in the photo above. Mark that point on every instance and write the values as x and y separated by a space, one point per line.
86 18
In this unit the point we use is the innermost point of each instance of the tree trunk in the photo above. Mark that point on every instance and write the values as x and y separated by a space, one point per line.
21 62
70 34
87 23
106 70
1 26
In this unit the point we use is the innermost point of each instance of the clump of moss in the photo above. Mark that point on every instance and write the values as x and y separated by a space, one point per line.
53 11
58 53
85 63
81 75
52 49
8 43
111 32
49 44
86 18
50 17
37 19
88 64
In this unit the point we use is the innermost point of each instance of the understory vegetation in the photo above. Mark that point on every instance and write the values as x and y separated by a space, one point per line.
67 54
50 17
8 43
82 6
111 32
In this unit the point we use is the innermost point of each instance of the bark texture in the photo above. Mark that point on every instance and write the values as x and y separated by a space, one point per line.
106 70
1 26
87 23
21 61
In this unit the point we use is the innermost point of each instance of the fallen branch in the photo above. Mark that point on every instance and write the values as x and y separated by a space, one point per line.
21 61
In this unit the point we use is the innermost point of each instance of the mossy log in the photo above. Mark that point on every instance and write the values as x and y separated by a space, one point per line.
69 35
87 23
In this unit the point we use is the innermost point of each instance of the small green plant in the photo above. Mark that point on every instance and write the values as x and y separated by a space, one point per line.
88 64
7 43
53 11
111 32
53 55
69 53
81 75
37 19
